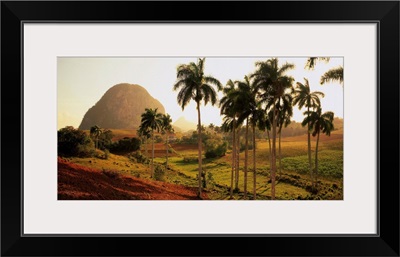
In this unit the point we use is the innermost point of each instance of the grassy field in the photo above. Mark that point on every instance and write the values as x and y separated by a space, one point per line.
293 180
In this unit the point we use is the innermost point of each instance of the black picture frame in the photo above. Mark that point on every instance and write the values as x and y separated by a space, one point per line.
383 13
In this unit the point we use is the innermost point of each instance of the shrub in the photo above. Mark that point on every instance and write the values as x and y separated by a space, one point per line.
210 180
159 173
138 157
105 139
74 142
187 159
126 145
215 148
106 154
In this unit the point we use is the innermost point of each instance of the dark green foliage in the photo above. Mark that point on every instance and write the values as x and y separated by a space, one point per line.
215 148
125 145
74 142
105 139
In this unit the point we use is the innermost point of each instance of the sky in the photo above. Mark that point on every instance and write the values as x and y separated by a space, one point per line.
81 82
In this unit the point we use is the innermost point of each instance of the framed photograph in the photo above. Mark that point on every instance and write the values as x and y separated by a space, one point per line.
273 125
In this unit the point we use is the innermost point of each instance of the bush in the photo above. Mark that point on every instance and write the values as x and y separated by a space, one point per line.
138 157
106 154
159 173
215 148
126 145
190 159
74 142
105 139
210 180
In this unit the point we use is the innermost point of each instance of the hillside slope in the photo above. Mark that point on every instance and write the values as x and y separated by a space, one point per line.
76 182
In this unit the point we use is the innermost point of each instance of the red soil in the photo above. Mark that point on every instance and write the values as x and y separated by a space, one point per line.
76 182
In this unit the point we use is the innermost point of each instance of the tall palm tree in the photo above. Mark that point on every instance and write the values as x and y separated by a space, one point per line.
95 132
303 97
335 74
151 119
228 125
312 61
146 134
271 80
257 116
244 108
285 112
166 126
319 122
251 111
194 85
227 108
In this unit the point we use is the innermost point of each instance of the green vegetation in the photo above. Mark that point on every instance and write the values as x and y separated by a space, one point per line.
331 163
74 142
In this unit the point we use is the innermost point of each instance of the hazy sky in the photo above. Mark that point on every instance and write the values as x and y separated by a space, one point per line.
81 82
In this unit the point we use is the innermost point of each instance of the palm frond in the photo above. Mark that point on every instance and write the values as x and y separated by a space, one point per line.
335 74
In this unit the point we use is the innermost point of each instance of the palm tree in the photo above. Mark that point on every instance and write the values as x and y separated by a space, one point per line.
312 61
95 132
228 125
335 74
319 122
303 97
264 124
257 115
285 112
166 125
251 111
146 134
151 119
243 107
194 85
271 80
227 108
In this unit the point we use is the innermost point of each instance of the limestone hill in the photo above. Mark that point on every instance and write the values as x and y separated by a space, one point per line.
120 108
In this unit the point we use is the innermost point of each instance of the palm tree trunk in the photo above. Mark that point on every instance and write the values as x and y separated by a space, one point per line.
147 149
233 157
166 147
309 149
254 163
237 158
199 145
152 153
246 155
316 160
280 153
270 153
273 171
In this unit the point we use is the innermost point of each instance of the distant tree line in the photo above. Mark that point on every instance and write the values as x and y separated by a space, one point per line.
74 142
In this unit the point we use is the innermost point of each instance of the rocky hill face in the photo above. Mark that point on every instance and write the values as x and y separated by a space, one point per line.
120 107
